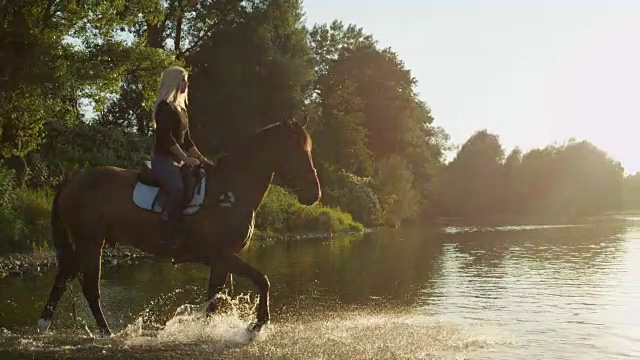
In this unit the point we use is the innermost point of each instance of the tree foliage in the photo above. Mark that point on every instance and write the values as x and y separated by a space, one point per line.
74 75
631 192
570 180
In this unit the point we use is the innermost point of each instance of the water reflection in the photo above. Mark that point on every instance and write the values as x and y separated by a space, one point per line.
506 292
582 245
387 267
547 285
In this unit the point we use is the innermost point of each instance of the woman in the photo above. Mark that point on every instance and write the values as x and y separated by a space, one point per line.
173 147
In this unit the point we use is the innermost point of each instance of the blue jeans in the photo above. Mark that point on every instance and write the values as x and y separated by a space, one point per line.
168 174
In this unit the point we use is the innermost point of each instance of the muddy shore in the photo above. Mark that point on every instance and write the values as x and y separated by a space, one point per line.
40 261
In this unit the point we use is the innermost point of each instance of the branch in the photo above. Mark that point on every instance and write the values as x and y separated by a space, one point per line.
46 15
226 9
171 9
197 42
179 18
155 31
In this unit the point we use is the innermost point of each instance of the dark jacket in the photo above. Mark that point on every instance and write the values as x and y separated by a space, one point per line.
172 128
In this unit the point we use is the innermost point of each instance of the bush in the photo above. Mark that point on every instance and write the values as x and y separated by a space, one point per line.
394 186
280 213
7 187
354 195
278 206
322 219
70 148
24 223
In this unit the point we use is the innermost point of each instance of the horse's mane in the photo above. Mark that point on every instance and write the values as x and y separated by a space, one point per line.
244 144
257 138
254 139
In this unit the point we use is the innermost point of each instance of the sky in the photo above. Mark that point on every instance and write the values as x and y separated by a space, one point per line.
532 72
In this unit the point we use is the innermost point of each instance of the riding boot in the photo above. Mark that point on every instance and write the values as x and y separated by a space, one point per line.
169 234
170 231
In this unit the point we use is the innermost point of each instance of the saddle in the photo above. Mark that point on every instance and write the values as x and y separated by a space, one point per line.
190 177
148 193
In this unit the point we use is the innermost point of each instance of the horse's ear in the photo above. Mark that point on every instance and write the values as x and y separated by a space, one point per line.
289 122
286 121
305 121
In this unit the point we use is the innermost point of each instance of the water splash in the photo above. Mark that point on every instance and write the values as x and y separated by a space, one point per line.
188 329
363 335
344 334
191 326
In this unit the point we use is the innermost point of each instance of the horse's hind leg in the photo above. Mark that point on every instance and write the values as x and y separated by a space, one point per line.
67 271
67 265
90 267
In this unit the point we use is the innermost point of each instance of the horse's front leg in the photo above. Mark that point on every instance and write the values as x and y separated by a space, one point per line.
217 278
236 265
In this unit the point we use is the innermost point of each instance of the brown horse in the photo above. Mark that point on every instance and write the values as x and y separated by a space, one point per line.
109 204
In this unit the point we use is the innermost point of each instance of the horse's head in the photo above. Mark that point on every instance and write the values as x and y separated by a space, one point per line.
295 166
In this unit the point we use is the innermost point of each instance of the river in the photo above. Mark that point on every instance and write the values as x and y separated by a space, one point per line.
451 292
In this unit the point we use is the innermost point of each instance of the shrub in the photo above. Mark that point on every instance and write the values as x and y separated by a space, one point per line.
394 186
277 207
354 195
322 219
7 186
280 213
24 223
69 148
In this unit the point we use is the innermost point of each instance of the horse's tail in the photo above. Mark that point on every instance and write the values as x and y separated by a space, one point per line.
67 262
65 253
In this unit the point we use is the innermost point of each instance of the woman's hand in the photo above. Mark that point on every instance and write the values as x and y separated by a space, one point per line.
192 162
204 160
195 153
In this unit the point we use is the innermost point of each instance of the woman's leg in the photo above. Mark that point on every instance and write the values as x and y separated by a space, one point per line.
168 174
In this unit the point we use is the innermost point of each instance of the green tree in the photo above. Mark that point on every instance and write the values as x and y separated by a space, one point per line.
340 136
571 180
586 181
383 116
632 192
249 75
512 191
167 33
52 56
473 180
394 186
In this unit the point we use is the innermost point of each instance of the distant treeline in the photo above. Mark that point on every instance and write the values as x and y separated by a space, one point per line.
380 157
570 180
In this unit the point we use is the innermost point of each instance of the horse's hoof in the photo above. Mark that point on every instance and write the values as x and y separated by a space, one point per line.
106 333
257 326
211 309
43 325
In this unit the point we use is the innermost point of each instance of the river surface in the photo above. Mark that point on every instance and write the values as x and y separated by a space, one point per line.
450 292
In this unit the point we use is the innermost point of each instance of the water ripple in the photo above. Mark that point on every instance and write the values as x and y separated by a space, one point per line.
507 292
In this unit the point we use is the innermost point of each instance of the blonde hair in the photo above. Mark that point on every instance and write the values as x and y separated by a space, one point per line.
169 90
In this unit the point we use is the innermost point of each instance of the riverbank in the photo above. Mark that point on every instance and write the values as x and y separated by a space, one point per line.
36 262
40 261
